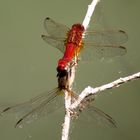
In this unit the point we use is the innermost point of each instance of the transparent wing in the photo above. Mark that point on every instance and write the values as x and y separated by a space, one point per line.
54 29
103 44
35 108
93 113
100 116
56 34
58 43
92 52
97 44
106 37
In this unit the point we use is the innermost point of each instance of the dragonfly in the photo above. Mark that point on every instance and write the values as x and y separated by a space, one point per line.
71 42
48 102
75 41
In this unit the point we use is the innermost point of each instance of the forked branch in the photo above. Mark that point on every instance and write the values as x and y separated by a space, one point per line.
89 91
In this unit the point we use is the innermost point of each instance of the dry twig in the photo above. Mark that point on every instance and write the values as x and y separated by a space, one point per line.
94 91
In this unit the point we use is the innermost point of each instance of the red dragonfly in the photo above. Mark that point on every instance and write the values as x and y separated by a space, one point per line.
70 42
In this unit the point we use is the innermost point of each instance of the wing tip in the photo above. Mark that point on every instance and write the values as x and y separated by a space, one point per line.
122 47
42 36
113 122
47 18
45 36
18 123
5 110
124 33
121 31
115 125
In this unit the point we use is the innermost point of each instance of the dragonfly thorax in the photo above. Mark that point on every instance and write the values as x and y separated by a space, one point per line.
75 34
